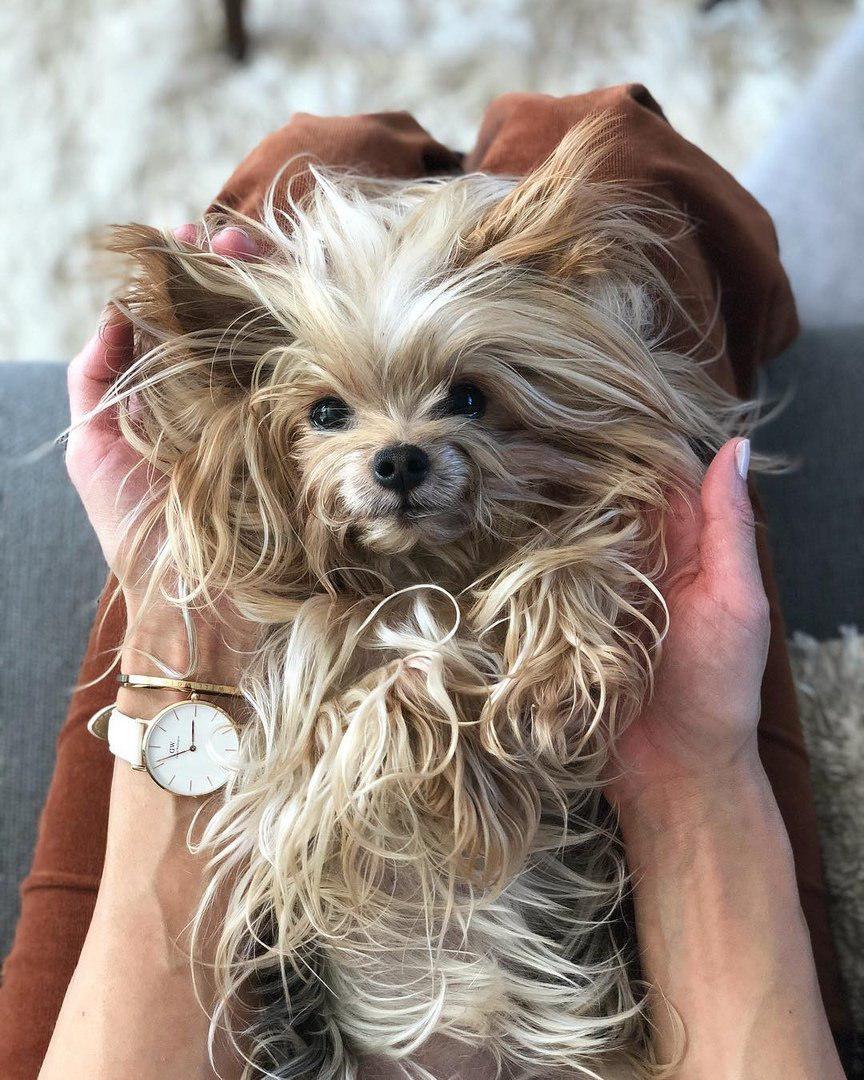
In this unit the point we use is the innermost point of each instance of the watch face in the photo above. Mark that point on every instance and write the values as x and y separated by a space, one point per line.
190 748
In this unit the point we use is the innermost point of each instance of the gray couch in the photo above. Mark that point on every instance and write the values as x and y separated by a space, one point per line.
51 571
51 568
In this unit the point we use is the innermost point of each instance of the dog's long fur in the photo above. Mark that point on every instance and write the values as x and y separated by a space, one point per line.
414 843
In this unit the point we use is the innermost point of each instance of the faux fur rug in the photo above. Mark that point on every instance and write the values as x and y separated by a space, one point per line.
130 110
830 678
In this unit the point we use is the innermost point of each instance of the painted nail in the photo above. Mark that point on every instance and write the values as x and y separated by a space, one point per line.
742 458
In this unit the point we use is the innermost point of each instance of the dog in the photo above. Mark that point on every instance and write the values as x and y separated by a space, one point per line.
425 442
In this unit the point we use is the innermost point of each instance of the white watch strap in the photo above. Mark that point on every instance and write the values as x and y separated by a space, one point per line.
126 738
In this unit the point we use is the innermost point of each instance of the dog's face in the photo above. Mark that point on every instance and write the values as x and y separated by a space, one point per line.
418 448
400 470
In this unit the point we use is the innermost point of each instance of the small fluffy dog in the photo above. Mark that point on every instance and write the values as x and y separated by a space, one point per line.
425 443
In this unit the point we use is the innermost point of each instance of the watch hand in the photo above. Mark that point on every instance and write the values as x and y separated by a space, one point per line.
168 757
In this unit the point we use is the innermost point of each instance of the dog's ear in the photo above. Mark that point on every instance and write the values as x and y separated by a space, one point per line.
179 290
191 407
562 219
178 287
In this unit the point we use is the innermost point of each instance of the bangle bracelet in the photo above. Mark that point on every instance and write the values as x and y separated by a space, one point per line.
98 723
155 682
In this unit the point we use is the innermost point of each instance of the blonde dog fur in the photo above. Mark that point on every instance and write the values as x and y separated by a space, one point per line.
414 845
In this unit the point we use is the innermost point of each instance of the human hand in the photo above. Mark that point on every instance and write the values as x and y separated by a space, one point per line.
723 943
110 477
700 724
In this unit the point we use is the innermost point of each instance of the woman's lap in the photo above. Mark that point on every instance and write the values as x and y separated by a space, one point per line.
59 894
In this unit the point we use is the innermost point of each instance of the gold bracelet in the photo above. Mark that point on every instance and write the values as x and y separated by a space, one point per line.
155 682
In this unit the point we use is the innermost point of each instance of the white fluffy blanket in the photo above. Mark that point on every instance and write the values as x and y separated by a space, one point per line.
122 110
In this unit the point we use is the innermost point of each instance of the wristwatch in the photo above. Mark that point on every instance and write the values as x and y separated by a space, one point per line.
188 748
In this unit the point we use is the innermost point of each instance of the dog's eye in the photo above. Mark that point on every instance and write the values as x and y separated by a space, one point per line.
464 399
329 414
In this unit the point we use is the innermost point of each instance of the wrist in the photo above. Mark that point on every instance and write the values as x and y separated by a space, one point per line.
204 646
146 853
679 809
721 934
144 704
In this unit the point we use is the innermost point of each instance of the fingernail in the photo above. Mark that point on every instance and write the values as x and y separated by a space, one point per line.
742 458
186 234
234 243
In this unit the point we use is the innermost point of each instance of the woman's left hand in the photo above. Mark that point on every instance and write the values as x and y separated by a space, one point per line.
112 480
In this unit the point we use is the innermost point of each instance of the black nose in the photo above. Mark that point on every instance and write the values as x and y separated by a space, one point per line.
400 468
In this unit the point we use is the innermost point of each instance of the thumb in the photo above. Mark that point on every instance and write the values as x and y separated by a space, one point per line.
728 562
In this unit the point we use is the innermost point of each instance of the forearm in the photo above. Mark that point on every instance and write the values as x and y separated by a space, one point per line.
722 936
131 1008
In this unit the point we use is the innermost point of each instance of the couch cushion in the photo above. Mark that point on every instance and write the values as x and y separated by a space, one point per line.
816 511
51 573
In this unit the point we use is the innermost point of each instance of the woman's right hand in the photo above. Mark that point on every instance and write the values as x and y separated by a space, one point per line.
699 728
722 938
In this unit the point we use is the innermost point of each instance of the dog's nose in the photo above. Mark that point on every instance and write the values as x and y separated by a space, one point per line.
401 467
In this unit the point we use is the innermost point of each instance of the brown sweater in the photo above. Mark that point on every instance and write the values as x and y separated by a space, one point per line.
727 263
